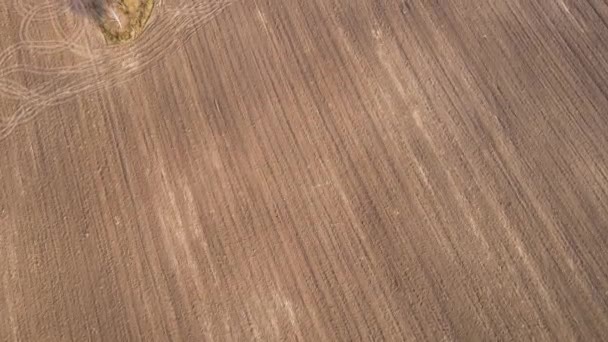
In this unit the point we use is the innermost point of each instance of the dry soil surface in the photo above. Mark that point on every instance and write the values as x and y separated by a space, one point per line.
313 170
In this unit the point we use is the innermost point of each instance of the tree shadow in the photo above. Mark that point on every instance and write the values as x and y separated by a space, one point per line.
92 9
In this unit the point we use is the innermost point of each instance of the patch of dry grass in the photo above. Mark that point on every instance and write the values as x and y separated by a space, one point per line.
124 20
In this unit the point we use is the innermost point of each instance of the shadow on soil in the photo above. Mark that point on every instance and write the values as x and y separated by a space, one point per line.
92 9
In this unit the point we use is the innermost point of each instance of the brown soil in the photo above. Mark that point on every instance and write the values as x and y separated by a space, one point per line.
321 170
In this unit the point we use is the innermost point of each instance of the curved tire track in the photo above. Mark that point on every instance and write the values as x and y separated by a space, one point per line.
101 68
